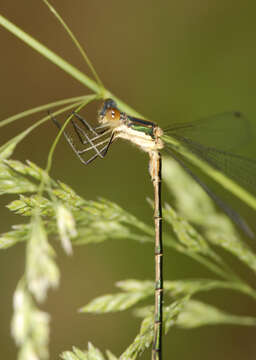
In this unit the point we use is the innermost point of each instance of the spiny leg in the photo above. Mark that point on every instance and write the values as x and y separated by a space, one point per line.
96 138
80 131
85 123
77 129
101 127
68 138
103 151
91 147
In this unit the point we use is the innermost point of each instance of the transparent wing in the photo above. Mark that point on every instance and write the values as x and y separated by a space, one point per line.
212 139
238 168
225 131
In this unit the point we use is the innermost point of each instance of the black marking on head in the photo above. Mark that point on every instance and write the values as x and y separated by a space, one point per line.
108 104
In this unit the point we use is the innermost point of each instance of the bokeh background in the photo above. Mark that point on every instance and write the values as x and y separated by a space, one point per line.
171 61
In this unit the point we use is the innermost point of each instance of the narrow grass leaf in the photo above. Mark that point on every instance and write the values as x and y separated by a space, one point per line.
40 108
91 354
115 302
7 149
28 169
233 245
191 243
196 313
11 182
18 234
190 200
7 242
26 205
24 169
94 353
68 355
111 356
188 236
133 285
185 287
191 287
172 312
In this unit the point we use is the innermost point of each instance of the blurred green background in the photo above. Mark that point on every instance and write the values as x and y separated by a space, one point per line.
171 61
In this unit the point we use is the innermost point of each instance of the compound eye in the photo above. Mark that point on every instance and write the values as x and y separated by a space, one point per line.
113 114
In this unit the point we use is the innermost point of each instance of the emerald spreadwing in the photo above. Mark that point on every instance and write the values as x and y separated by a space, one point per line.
209 140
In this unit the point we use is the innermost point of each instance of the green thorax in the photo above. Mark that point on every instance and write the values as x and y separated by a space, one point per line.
144 126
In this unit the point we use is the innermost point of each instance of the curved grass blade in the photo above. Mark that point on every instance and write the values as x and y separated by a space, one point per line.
64 65
37 109
7 149
196 313
50 55
75 41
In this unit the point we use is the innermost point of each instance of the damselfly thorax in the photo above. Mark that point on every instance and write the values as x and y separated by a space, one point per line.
145 134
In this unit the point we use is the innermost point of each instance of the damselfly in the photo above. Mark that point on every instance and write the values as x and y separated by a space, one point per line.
208 141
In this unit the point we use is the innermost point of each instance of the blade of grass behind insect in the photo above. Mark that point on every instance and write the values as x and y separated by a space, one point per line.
64 65
9 147
37 109
75 41
50 55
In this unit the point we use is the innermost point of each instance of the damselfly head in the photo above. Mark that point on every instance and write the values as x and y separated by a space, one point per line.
109 114
108 104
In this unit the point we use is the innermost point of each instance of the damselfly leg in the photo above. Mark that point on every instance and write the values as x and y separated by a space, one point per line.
91 138
84 122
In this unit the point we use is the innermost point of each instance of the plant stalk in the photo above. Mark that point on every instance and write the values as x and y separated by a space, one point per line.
155 172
